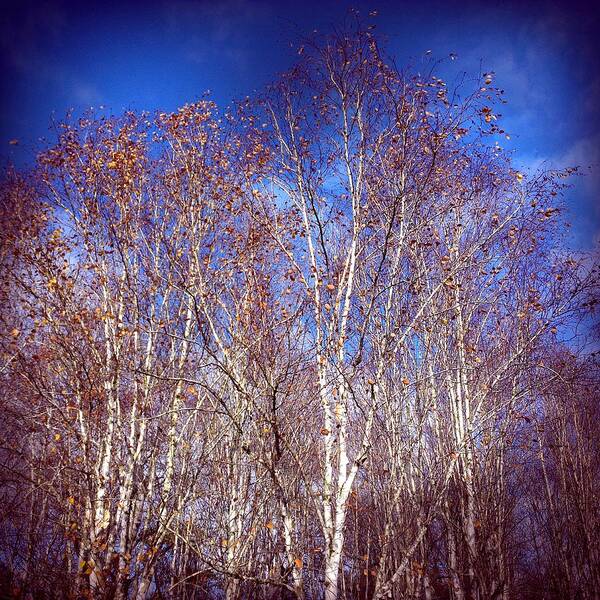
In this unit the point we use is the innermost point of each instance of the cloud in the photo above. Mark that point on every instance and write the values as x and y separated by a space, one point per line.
85 94
213 31
584 153
583 199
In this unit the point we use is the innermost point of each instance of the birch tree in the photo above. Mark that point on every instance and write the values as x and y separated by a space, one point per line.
321 343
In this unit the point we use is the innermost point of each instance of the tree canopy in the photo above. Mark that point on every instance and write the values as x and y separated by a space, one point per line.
320 344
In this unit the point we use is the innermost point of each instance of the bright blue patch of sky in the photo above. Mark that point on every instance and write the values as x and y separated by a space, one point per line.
148 56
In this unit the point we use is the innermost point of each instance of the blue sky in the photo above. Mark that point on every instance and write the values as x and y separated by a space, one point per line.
153 55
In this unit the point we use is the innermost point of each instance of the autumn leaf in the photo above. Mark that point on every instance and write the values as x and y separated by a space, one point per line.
298 563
